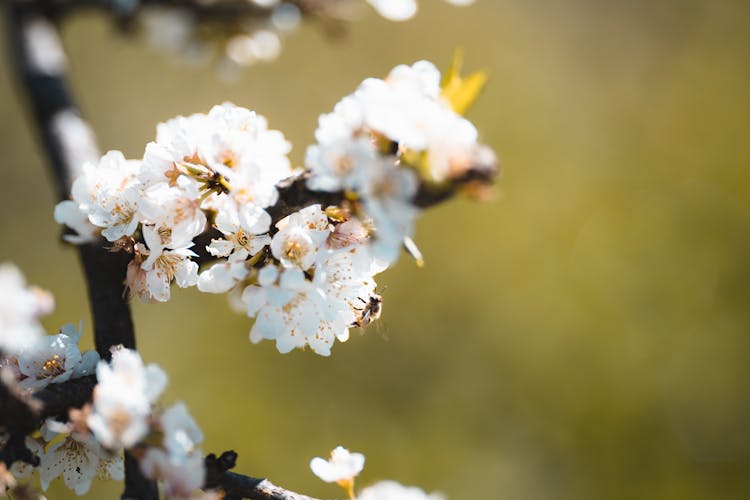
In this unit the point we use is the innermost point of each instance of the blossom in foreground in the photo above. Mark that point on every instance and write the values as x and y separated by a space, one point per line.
123 399
79 458
178 464
56 359
391 490
21 307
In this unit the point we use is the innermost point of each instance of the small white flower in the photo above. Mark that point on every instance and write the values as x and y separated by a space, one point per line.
339 164
179 465
20 308
405 108
346 275
56 360
387 200
231 141
175 211
224 275
164 266
78 459
343 466
123 398
242 231
181 434
180 476
299 237
109 192
68 213
391 490
296 313
346 121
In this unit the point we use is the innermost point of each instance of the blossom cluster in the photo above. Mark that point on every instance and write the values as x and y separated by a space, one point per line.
53 359
302 264
29 358
123 415
21 307
344 466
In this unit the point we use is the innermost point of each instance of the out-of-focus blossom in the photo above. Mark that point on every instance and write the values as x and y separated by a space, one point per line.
78 459
391 490
21 307
123 398
56 359
178 464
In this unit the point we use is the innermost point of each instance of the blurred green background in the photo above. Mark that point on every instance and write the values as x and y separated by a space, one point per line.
584 336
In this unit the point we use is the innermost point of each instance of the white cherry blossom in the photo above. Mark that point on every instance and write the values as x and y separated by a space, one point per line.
243 238
164 265
296 313
180 476
179 464
405 108
340 164
345 121
109 193
78 459
387 200
123 398
299 237
68 213
391 490
21 306
347 275
56 360
175 211
343 465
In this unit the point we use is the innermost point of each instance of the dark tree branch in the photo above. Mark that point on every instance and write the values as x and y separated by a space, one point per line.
236 486
23 413
68 143
294 195
225 11
39 62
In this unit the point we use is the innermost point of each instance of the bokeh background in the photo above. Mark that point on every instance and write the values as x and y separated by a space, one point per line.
583 336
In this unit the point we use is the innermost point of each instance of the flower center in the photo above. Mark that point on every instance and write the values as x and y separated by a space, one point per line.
53 366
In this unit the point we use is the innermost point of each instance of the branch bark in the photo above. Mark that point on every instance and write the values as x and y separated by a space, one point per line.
39 62
236 486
